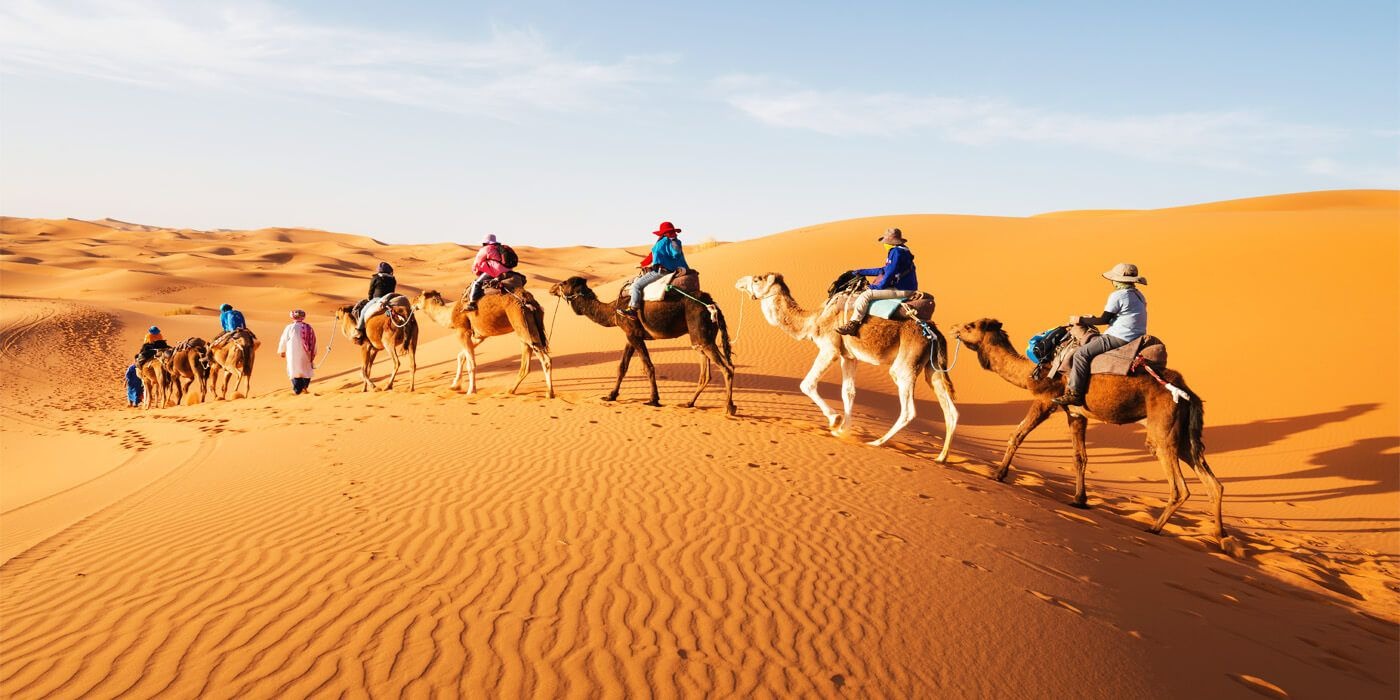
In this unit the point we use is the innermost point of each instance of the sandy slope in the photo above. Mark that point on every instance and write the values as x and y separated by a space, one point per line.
404 543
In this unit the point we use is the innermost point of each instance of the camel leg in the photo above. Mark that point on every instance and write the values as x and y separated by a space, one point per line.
524 367
393 356
412 369
825 357
848 389
1077 426
1039 411
704 379
546 366
621 371
1217 494
367 354
651 373
903 379
939 383
712 352
471 369
461 360
1165 447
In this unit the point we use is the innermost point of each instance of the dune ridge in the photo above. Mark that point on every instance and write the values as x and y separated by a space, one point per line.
435 543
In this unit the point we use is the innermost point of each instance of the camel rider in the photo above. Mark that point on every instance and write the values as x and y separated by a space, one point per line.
490 264
896 280
381 287
1125 311
666 257
154 341
230 320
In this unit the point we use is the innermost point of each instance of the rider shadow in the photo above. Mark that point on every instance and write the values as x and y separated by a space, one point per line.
1233 438
1365 467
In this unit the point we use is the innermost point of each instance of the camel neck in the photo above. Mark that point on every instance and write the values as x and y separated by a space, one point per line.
1003 359
439 311
588 305
782 311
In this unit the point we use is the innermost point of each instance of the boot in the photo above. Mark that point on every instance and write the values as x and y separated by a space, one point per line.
1069 398
851 327
471 306
628 312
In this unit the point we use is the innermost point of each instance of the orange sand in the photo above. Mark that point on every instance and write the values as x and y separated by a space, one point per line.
398 543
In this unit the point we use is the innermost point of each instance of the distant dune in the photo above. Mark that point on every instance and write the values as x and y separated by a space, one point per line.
499 545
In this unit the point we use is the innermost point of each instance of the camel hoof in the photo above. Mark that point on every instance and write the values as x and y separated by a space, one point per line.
875 443
690 404
1000 476
1082 505
653 402
1155 530
610 397
732 410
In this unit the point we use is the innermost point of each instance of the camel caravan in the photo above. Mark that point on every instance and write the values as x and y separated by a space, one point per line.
876 316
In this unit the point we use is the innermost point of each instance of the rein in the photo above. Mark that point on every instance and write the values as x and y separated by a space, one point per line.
714 310
957 349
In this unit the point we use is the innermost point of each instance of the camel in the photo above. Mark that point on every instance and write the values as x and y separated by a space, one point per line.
233 357
153 379
395 330
899 344
659 320
1173 429
496 314
187 364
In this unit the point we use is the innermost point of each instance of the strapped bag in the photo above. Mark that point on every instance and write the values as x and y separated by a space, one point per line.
1041 347
508 256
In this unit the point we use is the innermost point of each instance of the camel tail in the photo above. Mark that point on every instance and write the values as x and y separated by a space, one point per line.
941 357
725 345
536 323
1191 420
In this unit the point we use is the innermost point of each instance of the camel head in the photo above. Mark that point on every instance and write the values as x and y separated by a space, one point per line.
761 285
572 287
426 296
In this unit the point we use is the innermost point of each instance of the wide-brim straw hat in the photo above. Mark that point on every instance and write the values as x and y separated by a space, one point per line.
892 236
1125 272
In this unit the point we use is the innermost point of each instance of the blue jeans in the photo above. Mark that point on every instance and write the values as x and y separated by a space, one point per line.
641 283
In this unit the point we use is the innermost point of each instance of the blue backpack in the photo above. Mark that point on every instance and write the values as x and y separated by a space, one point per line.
1041 348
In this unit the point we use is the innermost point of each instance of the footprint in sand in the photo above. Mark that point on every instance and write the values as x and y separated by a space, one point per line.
882 535
1055 601
975 565
1258 685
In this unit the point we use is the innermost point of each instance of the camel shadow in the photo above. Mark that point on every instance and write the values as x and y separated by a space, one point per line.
1367 466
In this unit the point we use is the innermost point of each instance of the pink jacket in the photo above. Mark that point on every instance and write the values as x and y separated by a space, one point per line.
490 261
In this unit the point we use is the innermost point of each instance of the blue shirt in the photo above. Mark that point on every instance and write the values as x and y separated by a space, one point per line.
667 253
1126 310
232 320
898 272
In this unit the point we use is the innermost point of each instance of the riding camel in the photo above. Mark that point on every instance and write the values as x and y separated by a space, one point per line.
188 363
899 344
153 379
496 314
1173 429
232 357
394 330
659 320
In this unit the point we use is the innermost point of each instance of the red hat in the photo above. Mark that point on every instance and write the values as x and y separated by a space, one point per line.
666 229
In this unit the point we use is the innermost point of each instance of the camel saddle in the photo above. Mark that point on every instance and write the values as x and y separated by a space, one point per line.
661 289
509 283
1121 361
223 338
920 306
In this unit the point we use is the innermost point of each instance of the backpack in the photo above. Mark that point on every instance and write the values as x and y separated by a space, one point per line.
847 282
1041 348
508 256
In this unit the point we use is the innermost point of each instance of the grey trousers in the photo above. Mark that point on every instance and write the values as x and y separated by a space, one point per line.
1084 356
475 292
862 306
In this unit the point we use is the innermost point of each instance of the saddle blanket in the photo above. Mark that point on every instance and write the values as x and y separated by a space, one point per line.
899 309
1117 361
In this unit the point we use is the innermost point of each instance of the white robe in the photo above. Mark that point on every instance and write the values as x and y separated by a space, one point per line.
299 363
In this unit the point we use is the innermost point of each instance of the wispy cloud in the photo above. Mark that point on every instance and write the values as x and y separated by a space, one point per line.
1226 139
262 48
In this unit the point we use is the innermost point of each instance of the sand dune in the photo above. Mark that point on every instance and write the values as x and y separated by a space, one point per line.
281 546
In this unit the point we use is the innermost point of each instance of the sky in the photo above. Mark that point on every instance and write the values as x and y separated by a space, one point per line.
562 123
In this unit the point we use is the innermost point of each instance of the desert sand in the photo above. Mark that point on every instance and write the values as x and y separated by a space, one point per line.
439 544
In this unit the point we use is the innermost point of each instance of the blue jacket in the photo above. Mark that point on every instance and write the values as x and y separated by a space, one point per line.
668 254
898 272
232 320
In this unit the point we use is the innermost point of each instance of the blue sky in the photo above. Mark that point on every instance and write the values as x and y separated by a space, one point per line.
554 123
